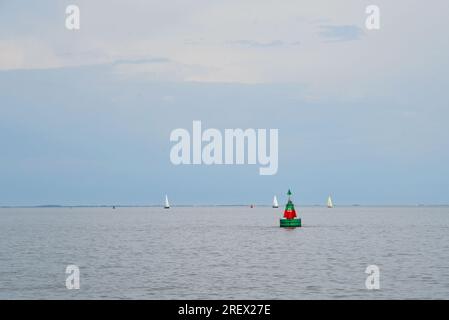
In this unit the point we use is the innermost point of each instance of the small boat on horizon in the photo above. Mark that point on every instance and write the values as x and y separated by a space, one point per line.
275 202
329 202
167 204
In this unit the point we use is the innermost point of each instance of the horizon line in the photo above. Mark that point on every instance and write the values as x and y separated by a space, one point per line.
212 205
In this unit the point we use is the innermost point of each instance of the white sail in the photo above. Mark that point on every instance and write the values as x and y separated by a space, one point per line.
329 202
275 202
167 204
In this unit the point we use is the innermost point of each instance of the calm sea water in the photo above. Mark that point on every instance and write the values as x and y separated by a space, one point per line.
224 253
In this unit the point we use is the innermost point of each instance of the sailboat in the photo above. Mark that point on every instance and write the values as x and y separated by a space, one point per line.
275 202
167 204
329 202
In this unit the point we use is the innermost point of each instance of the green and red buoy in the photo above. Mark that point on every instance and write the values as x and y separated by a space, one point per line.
290 220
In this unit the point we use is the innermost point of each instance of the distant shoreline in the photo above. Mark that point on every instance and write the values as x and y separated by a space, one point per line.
216 205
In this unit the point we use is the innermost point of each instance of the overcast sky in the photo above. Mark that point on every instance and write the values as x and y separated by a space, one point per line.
85 116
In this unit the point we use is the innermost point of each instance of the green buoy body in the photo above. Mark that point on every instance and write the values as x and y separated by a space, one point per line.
290 223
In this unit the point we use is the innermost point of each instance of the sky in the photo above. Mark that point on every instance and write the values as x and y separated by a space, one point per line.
86 115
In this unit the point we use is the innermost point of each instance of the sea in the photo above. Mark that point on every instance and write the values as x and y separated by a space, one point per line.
222 252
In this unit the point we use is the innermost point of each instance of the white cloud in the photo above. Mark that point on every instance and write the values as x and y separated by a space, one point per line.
11 57
241 41
29 53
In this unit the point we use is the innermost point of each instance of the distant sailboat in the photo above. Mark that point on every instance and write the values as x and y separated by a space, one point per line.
275 202
329 202
167 204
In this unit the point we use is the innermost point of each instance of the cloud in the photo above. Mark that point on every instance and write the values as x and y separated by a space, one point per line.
340 33
257 44
11 57
27 54
161 69
218 41
141 61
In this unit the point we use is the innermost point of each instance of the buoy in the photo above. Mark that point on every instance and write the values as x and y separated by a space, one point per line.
290 220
